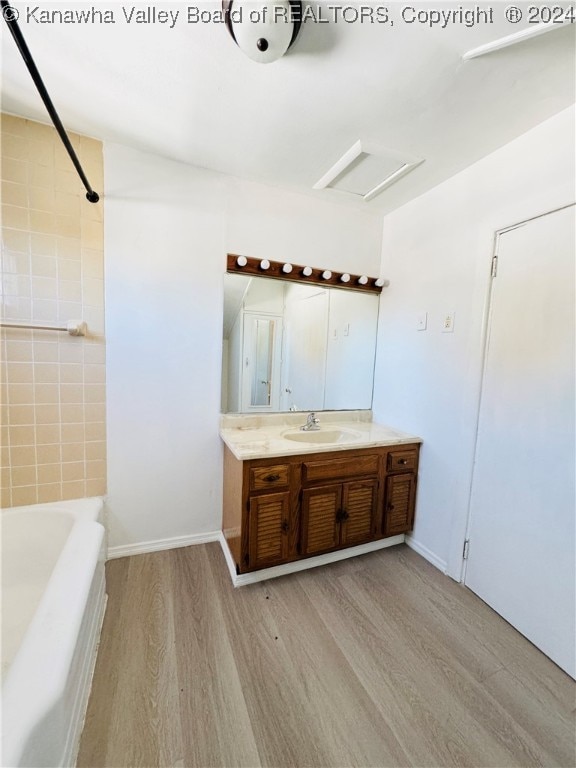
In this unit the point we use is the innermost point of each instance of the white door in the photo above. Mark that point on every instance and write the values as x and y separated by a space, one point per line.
522 546
261 362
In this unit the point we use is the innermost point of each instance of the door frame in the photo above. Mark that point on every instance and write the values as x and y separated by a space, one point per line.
486 327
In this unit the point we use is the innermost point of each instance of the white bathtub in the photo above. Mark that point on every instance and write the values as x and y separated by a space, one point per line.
53 601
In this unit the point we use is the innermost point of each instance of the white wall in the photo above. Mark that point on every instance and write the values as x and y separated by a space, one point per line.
437 252
168 228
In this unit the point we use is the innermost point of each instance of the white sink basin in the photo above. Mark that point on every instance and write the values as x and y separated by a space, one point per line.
335 436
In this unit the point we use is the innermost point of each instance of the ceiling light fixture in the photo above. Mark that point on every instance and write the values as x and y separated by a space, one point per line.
263 29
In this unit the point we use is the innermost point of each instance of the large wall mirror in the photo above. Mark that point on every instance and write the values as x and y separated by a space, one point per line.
296 347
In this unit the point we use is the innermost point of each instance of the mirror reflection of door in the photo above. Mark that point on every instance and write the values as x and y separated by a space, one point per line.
306 329
261 362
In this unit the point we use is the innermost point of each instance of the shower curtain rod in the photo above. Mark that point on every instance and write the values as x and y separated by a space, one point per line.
11 18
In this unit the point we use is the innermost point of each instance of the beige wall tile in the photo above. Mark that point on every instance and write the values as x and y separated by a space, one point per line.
48 414
72 373
14 146
50 473
96 450
24 476
22 456
73 470
19 351
44 266
44 288
95 469
40 152
14 194
48 434
21 394
72 433
46 352
22 496
14 170
46 372
53 409
14 217
49 454
15 239
46 393
71 393
74 490
94 353
95 487
21 415
71 351
22 435
41 199
94 393
95 430
74 451
13 125
69 269
48 493
69 290
71 413
43 245
19 373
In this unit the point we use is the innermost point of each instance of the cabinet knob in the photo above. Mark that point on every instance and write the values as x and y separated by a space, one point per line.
390 507
402 461
285 527
272 478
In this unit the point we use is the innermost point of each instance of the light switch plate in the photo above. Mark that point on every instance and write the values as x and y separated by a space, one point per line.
448 322
422 321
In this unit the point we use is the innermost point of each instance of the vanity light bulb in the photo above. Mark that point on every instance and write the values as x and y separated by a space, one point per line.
363 280
382 283
287 268
345 278
326 274
307 271
241 261
264 264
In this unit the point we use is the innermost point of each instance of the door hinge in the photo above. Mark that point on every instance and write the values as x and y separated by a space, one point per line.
466 549
494 265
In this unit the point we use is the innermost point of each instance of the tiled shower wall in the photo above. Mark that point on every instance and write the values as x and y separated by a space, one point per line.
53 442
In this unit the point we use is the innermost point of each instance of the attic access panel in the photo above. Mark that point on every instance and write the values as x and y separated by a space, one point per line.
366 170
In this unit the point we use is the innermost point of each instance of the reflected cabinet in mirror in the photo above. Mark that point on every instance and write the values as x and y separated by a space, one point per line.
296 347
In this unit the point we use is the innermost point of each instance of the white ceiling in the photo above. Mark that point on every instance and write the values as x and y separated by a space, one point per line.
188 93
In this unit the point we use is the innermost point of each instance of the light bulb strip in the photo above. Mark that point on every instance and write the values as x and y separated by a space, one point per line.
287 270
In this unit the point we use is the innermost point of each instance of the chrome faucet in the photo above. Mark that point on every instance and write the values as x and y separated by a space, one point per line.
312 423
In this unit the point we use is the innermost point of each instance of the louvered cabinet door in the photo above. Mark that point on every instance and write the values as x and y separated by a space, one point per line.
268 529
399 503
320 526
358 508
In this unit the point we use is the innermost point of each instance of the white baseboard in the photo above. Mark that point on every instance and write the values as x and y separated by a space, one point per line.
240 580
143 547
427 554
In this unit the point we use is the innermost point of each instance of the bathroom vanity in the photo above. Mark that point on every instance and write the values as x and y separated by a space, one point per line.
289 495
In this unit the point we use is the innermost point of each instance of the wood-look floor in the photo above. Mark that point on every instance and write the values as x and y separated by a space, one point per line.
375 661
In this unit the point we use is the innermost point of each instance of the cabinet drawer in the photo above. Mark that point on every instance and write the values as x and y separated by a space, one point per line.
402 460
353 466
269 477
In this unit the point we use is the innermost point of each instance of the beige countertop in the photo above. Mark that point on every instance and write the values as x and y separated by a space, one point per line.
264 436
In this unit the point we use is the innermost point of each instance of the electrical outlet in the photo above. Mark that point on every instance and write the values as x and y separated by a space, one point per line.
422 321
448 323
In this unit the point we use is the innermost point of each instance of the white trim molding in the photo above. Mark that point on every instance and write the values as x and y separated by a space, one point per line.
427 554
240 580
143 547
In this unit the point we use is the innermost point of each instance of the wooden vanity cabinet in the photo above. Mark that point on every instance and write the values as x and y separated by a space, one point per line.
283 509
